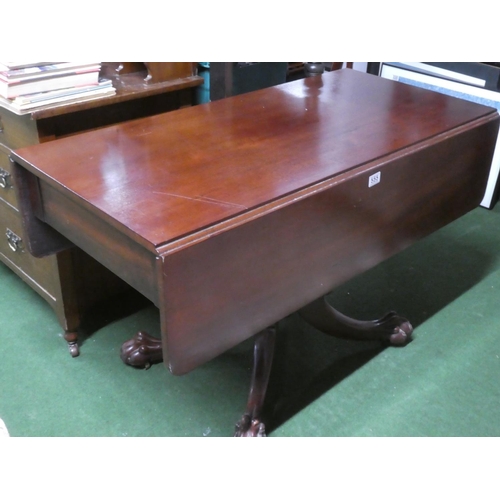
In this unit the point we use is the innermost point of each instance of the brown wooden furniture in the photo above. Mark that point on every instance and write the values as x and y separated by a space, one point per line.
231 215
71 281
152 78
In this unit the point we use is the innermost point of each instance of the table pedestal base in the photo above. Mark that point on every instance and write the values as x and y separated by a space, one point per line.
143 350
251 424
390 328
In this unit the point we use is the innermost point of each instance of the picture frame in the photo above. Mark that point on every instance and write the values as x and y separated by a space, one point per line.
463 85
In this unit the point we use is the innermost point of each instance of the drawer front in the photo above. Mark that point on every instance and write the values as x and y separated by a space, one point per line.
36 272
17 131
7 191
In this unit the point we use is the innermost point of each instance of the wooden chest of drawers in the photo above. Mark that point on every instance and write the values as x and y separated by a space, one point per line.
72 281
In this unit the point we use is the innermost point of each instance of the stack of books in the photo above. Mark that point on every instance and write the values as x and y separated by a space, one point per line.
28 86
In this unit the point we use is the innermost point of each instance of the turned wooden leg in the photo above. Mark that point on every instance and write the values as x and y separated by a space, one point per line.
250 424
391 327
142 351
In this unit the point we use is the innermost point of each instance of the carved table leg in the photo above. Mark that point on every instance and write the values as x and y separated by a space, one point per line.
142 351
250 424
391 327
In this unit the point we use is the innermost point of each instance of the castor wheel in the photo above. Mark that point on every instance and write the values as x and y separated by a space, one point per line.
71 337
74 350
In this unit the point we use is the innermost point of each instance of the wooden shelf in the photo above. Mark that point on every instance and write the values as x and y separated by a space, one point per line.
129 86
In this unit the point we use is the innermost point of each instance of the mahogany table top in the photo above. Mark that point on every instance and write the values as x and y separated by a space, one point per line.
161 178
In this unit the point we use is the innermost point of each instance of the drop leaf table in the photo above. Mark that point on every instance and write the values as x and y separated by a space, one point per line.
231 215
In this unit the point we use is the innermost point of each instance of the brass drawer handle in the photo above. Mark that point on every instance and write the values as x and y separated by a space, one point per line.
15 242
5 177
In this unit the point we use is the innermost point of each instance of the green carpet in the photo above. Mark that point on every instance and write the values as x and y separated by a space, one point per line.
444 383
